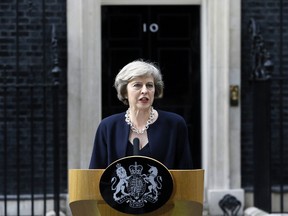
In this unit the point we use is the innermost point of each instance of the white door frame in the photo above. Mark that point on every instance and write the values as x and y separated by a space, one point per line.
220 68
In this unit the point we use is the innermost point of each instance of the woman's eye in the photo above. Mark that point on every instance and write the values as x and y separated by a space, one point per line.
149 85
137 85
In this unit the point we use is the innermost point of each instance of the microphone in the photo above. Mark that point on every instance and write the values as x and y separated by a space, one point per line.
136 146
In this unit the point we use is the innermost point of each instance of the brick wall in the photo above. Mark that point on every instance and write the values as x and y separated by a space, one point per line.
267 15
27 123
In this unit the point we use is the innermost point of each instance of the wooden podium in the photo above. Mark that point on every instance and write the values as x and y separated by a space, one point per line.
85 198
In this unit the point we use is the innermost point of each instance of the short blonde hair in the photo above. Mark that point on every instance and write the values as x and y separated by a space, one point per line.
138 68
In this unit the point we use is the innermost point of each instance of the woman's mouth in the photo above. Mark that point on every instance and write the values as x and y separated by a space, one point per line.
144 99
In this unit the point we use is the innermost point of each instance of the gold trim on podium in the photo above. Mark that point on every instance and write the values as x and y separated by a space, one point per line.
85 198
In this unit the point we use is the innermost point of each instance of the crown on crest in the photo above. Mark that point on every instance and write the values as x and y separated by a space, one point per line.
135 169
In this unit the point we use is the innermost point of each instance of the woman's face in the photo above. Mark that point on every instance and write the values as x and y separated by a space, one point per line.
140 92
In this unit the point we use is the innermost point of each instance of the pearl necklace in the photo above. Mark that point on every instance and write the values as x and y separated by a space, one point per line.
133 128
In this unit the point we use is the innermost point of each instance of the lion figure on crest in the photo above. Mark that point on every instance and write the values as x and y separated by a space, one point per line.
122 184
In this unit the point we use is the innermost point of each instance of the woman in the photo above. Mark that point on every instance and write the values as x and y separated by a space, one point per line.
162 135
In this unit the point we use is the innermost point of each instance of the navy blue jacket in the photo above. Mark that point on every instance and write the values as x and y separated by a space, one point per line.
167 136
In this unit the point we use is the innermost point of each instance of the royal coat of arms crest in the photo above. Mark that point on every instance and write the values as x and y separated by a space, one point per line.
136 188
136 184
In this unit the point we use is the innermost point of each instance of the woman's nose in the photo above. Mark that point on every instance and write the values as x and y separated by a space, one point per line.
144 89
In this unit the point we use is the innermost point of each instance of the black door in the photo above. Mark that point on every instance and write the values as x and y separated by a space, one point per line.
167 35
